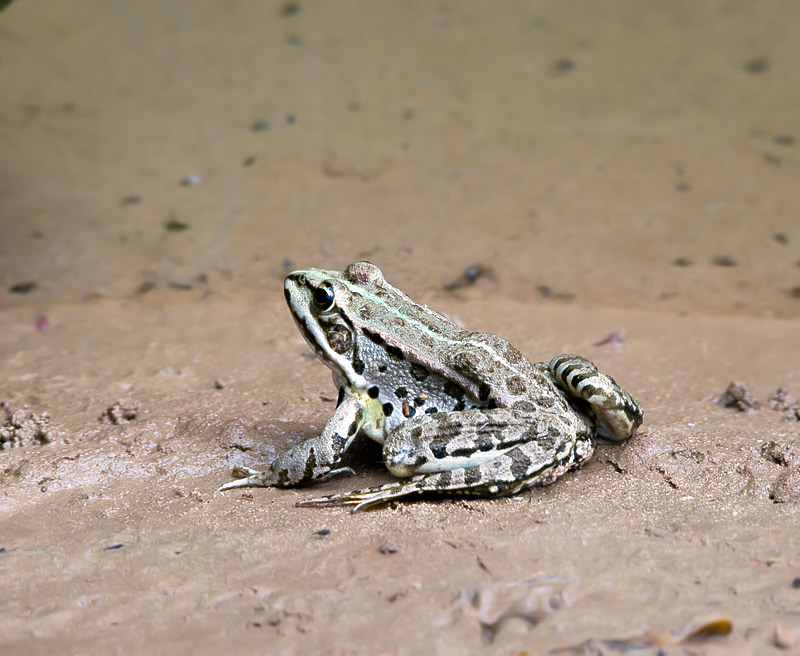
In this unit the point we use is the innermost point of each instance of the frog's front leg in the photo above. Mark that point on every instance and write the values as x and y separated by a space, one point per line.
313 459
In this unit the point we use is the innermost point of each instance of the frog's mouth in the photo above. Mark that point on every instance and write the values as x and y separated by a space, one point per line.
327 333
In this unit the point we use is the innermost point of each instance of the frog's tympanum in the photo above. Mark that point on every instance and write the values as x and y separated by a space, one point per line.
457 412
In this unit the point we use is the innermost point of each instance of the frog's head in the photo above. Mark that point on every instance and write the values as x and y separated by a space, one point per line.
321 304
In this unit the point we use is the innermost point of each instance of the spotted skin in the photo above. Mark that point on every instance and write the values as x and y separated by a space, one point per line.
457 412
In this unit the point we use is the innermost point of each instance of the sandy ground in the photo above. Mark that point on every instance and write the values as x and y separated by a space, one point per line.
163 165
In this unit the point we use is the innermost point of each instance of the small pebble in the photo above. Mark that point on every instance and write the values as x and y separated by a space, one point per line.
42 323
290 119
388 547
249 160
475 271
323 532
756 65
290 9
113 547
682 186
133 199
794 292
145 287
259 126
470 276
682 261
796 583
563 66
191 179
784 140
725 260
23 287
219 384
173 225
780 238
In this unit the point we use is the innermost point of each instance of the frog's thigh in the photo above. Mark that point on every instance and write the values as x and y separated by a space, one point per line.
526 465
458 440
531 463
535 462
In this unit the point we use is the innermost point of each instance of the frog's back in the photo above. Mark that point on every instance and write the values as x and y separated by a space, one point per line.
510 380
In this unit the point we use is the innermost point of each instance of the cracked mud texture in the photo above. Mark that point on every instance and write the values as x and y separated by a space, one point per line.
561 148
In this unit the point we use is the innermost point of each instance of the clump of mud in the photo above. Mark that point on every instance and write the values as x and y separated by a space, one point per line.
119 413
739 397
23 428
784 402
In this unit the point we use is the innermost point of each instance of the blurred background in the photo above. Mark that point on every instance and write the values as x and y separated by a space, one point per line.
624 153
561 173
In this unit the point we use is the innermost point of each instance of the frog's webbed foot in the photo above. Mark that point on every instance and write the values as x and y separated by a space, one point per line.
367 498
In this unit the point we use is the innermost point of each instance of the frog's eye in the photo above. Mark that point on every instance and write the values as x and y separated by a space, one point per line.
323 297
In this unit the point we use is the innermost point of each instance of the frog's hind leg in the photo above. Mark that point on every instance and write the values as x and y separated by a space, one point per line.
523 466
618 413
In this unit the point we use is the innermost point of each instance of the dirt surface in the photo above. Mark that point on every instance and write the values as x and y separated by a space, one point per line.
630 171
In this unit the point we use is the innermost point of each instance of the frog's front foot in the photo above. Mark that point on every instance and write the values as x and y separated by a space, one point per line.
247 477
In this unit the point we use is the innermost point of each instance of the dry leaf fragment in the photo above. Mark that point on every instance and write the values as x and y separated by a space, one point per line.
698 630
531 601
784 638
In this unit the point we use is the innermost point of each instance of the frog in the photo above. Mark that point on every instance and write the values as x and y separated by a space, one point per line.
456 412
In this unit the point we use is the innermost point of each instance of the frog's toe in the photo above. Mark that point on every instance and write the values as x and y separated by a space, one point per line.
240 482
365 499
245 477
327 500
333 473
240 471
